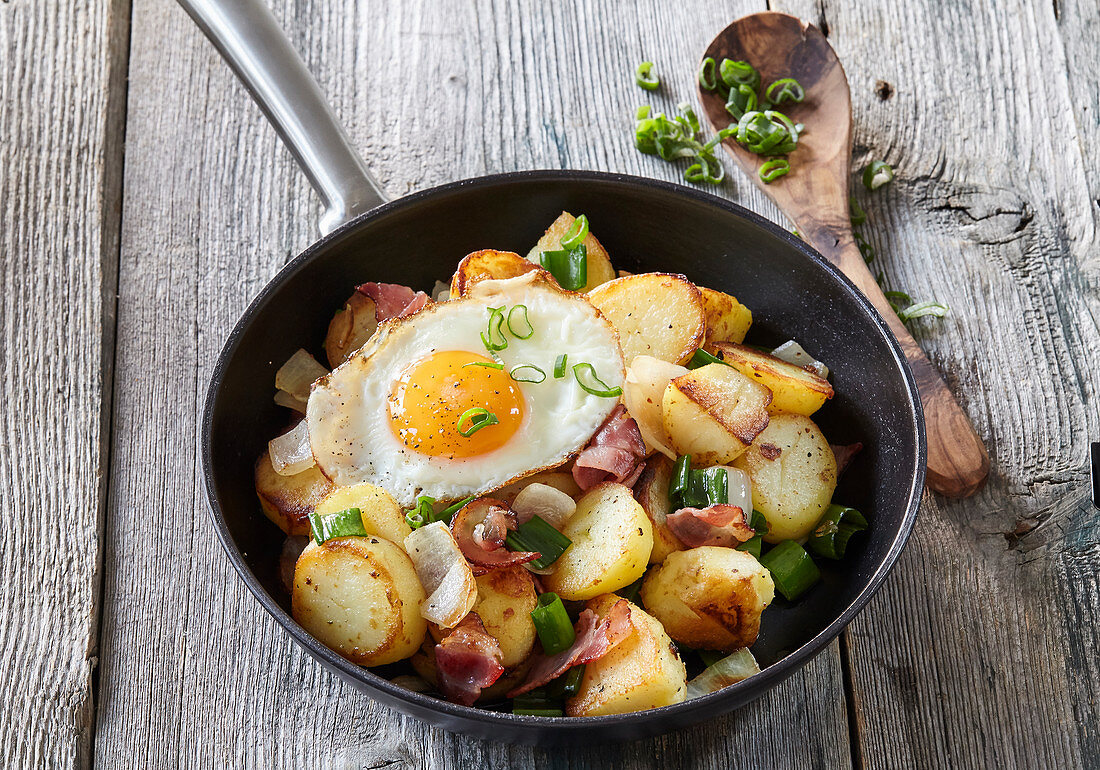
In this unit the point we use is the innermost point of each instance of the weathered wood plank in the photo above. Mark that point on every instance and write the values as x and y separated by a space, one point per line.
194 674
981 651
60 158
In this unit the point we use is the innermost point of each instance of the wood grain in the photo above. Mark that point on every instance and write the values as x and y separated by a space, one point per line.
60 150
194 674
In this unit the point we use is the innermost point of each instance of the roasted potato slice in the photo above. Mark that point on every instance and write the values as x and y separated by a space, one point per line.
350 328
599 263
487 264
360 596
794 389
288 500
651 492
612 540
381 514
727 319
793 473
655 314
641 672
709 598
713 413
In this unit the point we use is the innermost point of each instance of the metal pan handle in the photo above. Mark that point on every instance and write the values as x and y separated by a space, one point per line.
251 42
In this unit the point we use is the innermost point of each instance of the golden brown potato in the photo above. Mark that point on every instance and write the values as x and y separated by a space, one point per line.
655 314
360 596
727 319
794 389
793 473
641 672
713 413
612 540
381 514
288 500
651 492
487 264
709 598
599 263
350 328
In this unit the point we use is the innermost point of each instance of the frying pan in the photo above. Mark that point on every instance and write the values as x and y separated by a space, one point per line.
646 225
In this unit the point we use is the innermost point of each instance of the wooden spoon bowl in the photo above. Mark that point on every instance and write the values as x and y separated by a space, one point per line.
814 195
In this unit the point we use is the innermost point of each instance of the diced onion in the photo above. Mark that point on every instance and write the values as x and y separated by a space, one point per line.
444 573
282 398
290 452
793 353
553 505
441 292
739 489
644 388
733 668
299 372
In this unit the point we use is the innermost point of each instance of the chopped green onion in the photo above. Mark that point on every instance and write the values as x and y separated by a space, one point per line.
866 250
681 478
792 569
702 358
702 171
346 523
742 99
708 77
448 513
755 543
736 73
493 338
575 235
568 266
767 133
898 300
422 514
552 623
536 375
560 366
479 417
643 77
600 388
773 169
567 685
486 364
672 139
530 330
830 536
921 309
859 216
697 488
784 90
540 537
877 173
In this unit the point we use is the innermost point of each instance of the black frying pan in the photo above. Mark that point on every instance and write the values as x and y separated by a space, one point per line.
646 225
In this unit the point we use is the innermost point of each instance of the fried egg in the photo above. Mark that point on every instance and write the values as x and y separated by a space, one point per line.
392 415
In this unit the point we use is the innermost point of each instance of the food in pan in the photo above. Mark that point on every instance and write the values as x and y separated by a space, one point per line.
551 488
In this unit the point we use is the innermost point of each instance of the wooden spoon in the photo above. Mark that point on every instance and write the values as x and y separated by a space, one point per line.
814 195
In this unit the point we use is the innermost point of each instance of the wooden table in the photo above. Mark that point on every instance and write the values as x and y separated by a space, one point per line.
145 202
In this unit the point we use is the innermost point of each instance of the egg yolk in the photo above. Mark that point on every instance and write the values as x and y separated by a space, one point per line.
431 395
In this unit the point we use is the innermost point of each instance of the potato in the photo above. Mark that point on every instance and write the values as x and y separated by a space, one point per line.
713 413
350 328
288 500
655 314
360 596
793 473
599 263
794 389
709 598
612 540
641 672
727 319
381 514
487 264
651 492
557 479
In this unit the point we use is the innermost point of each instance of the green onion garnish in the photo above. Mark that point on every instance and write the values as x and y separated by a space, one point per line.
599 388
540 537
681 477
735 73
643 77
576 233
754 544
536 704
898 299
493 337
346 523
921 309
742 99
697 488
672 139
527 373
858 215
702 358
773 169
486 364
567 685
830 536
523 322
568 266
792 569
767 133
560 365
479 417
552 623
708 170
708 77
877 173
422 513
448 513
784 90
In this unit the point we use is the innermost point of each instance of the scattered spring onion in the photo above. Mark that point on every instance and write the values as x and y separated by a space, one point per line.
493 337
697 488
707 170
644 78
858 215
486 364
538 536
527 373
830 536
522 321
742 99
575 235
449 512
735 73
346 523
785 90
560 366
708 74
568 266
595 386
674 138
773 169
877 173
898 299
755 543
702 358
553 625
536 704
767 132
792 569
479 417
423 512
921 309
567 685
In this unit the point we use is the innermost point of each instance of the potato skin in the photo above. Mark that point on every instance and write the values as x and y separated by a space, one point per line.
651 492
382 516
793 473
599 266
612 540
350 328
655 314
288 500
713 413
727 319
360 596
641 672
793 388
709 598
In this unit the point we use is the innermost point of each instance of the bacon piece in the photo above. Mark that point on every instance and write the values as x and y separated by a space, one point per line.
480 528
468 659
615 453
595 636
722 525
392 300
844 454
